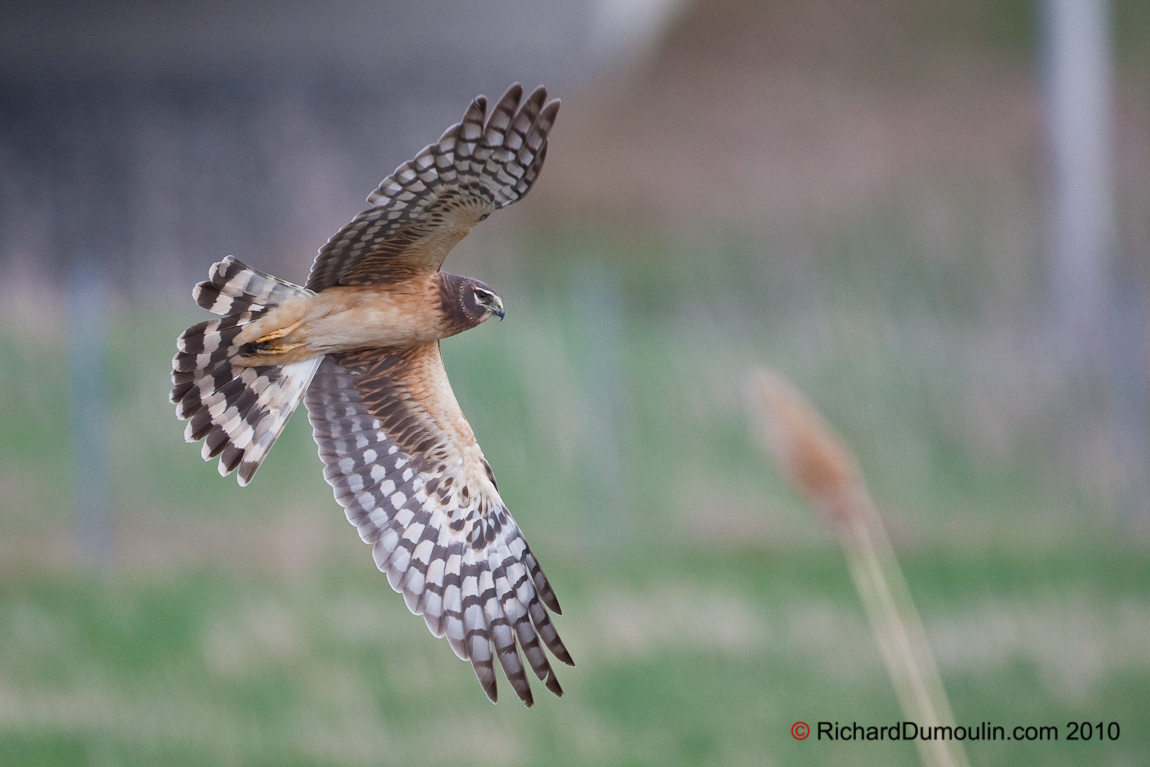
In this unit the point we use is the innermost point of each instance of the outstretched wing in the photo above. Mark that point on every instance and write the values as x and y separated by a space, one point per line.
431 202
404 463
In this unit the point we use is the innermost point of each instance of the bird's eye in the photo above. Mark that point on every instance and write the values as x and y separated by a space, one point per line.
484 216
482 296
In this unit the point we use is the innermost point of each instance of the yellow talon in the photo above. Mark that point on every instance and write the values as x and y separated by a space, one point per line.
280 333
277 348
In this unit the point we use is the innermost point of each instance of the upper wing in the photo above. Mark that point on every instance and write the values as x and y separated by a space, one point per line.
404 463
431 202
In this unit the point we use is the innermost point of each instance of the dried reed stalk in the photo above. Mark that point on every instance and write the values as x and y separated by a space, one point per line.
822 469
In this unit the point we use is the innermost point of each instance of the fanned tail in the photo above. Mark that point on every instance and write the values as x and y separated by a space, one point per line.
238 411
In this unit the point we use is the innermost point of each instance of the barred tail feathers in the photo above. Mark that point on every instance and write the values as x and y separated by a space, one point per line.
234 288
239 412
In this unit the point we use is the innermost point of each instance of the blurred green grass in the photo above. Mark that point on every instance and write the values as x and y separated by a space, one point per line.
706 611
685 660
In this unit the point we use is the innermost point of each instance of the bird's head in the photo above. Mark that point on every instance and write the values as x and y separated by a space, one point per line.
468 301
486 301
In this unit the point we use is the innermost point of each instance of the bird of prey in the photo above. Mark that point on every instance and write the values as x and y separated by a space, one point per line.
359 344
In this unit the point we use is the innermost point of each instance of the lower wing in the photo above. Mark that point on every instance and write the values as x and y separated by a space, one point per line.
405 465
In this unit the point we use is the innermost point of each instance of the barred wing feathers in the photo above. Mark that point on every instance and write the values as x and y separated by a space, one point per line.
419 212
404 463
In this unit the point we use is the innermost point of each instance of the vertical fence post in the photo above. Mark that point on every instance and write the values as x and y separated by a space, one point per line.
1100 316
87 295
1081 220
598 303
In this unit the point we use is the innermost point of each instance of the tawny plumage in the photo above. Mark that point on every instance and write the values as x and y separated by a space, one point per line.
360 345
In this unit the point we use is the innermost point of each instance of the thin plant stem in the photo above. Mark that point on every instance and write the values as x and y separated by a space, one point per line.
822 469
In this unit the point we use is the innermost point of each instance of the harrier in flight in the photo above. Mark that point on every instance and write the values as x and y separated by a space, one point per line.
359 344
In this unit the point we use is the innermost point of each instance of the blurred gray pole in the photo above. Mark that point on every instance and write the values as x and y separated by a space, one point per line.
94 182
87 296
1082 227
1101 317
599 304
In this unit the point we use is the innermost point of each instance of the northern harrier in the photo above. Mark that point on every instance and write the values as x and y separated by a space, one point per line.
360 345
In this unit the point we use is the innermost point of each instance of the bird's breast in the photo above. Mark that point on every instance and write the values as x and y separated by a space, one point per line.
344 318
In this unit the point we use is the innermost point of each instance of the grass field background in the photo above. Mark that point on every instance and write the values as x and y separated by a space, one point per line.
849 193
705 609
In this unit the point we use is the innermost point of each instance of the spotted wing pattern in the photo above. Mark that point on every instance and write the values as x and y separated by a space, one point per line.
419 212
404 463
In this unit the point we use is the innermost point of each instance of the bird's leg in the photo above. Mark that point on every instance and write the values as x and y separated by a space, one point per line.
264 344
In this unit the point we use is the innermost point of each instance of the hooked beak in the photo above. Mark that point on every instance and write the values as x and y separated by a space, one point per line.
498 310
